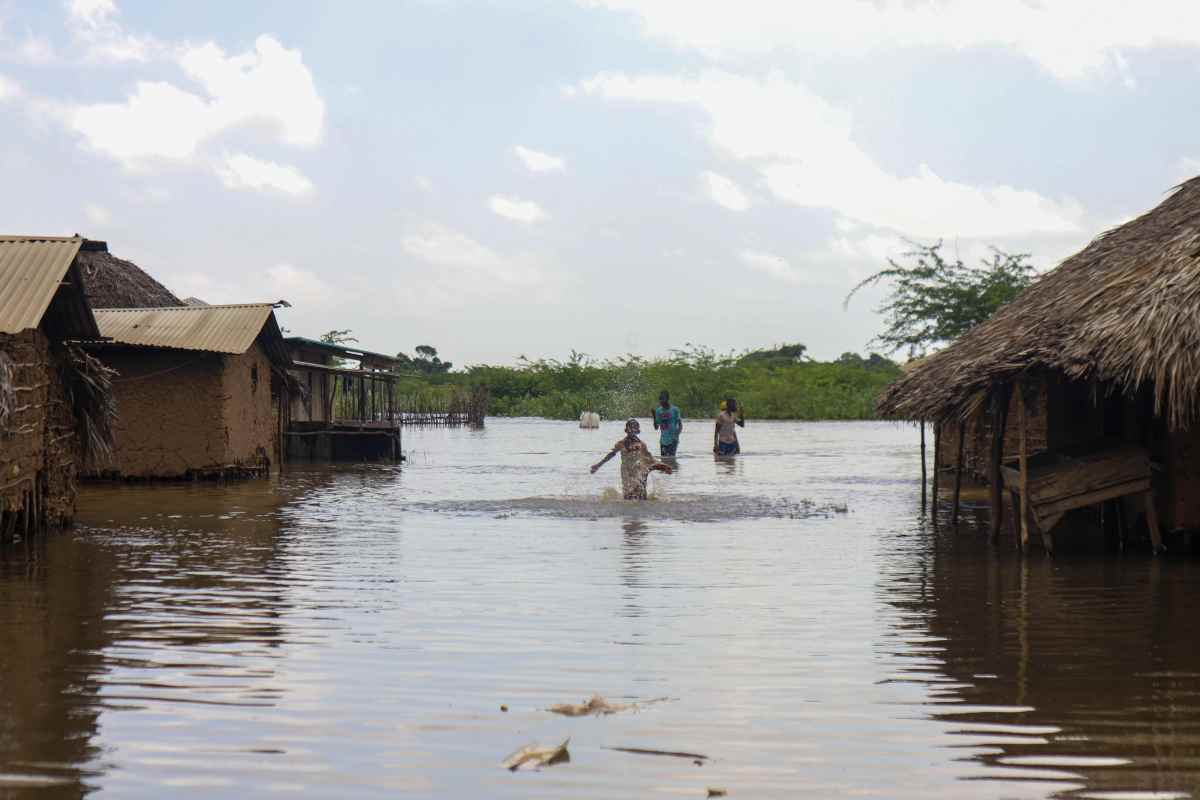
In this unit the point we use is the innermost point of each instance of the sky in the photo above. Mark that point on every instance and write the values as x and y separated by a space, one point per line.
505 179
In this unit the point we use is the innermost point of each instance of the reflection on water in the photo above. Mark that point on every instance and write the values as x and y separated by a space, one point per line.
354 632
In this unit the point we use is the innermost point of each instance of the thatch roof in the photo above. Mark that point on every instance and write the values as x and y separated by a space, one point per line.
1124 311
112 282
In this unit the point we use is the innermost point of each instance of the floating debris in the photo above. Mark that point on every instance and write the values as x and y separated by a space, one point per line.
713 792
643 751
504 708
536 756
598 706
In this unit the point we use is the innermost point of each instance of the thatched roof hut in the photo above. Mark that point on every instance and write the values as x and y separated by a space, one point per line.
112 282
56 406
1123 312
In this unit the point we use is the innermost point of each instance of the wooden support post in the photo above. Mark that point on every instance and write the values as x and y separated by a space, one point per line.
1119 508
958 471
1023 489
1000 397
1156 540
937 468
924 477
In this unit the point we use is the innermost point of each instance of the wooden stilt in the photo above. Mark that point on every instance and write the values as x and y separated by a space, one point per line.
1024 466
1014 524
996 482
1119 508
958 471
1156 540
924 477
1046 526
937 468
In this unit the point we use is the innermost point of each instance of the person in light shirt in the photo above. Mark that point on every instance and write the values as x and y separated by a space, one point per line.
636 462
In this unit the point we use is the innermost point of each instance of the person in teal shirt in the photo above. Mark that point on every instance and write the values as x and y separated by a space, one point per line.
669 424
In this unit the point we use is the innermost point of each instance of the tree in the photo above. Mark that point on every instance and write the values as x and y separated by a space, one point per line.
934 301
778 356
338 337
427 360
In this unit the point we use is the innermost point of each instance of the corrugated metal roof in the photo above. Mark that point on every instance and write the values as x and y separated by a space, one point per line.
31 269
215 329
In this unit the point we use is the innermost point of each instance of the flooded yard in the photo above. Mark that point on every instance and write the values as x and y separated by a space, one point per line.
357 631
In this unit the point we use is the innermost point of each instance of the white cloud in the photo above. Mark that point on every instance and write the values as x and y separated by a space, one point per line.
241 171
537 161
461 258
97 214
34 50
724 192
9 89
1185 169
1068 38
803 148
302 288
872 247
298 286
516 209
269 86
423 183
95 26
775 266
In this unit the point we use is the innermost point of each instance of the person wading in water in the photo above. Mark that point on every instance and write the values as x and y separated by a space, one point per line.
725 439
636 462
668 423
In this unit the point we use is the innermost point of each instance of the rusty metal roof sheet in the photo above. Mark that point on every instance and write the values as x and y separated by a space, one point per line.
31 272
215 329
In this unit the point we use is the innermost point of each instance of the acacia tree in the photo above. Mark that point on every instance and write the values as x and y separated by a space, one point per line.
933 301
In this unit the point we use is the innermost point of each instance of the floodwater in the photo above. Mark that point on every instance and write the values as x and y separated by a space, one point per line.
354 632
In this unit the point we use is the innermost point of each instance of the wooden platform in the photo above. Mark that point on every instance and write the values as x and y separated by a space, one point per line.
1054 483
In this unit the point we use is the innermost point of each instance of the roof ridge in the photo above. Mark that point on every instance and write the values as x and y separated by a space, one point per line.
187 308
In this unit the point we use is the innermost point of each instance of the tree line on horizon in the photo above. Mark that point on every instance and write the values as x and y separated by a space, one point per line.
931 301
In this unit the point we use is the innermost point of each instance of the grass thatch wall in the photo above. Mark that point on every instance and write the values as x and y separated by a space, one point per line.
40 449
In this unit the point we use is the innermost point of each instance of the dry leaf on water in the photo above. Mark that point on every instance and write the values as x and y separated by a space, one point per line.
535 756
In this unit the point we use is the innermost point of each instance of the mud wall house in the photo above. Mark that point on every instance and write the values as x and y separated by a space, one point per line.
201 391
345 406
55 401
1104 350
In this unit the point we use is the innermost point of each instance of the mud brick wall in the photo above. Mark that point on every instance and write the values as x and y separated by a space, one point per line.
249 418
169 412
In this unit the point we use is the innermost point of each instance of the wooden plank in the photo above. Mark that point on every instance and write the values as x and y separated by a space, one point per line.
958 470
1023 487
937 466
1156 540
1014 525
1088 473
1093 497
995 479
924 478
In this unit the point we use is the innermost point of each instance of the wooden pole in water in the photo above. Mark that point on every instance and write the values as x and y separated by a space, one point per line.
958 470
1000 398
924 478
937 467
1024 466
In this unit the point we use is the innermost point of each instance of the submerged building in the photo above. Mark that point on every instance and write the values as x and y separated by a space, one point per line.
55 399
1102 353
201 391
345 406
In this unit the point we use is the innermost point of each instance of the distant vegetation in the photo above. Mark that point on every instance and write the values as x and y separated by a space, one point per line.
778 383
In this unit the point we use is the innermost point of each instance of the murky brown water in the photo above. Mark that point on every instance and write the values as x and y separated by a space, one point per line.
353 632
